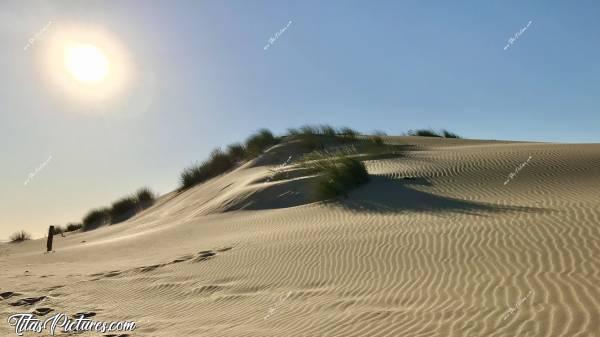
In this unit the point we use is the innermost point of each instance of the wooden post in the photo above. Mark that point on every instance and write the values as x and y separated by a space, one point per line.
50 237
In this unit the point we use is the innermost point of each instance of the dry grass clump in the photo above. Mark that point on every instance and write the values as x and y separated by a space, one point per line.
129 206
318 137
257 143
431 133
123 209
20 236
377 140
220 162
73 227
337 177
448 134
119 211
237 152
58 230
145 197
312 137
322 130
96 218
349 133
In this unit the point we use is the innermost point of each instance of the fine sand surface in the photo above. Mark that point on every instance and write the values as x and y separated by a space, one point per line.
434 245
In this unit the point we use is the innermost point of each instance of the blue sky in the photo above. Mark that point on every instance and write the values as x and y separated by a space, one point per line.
203 79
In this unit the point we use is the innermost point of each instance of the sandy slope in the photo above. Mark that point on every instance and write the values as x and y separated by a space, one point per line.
452 251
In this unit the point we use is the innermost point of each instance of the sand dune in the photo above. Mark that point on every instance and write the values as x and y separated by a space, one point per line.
435 245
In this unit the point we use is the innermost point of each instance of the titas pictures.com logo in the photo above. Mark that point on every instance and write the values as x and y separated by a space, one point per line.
64 324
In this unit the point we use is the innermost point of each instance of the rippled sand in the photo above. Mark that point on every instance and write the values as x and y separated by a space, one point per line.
435 245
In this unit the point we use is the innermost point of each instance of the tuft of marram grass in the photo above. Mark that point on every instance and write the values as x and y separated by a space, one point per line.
119 211
308 135
377 140
349 133
123 209
96 218
327 130
310 130
20 236
315 137
217 164
423 133
236 152
220 162
73 227
257 143
431 133
315 130
145 197
448 134
338 177
59 230
191 176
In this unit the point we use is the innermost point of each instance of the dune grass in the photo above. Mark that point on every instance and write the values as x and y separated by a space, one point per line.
317 137
220 162
120 210
236 151
257 143
129 206
448 134
431 133
312 137
322 130
20 236
73 227
96 218
338 177
145 197
423 133
377 140
363 148
343 172
59 230
123 209
349 133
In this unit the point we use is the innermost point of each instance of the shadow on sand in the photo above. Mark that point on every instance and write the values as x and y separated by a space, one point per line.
387 195
380 195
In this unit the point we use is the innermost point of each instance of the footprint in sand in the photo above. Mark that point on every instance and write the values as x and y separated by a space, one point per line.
27 301
8 294
207 254
52 288
201 256
113 273
204 255
147 269
183 259
42 311
85 314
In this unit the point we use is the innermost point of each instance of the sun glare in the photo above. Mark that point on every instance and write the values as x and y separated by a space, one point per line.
86 63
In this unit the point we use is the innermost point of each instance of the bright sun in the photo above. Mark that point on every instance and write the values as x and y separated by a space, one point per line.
86 63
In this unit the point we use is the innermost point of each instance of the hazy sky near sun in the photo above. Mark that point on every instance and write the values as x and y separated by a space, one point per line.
201 78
